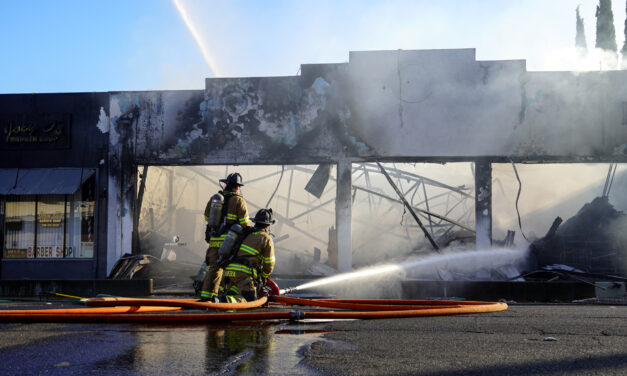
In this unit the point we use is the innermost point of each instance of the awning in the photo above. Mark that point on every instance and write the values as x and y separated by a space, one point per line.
42 181
7 180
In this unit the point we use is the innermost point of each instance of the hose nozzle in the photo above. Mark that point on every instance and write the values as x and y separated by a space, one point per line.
288 290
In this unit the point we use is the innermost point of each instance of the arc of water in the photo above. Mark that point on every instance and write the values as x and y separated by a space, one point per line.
178 4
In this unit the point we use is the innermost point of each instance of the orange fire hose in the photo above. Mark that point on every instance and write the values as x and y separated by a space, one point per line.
454 308
405 302
328 303
183 303
213 317
105 310
485 308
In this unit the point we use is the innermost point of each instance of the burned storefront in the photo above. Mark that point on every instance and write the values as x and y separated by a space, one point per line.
85 193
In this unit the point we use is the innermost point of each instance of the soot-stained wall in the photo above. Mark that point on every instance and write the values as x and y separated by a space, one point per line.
382 104
302 119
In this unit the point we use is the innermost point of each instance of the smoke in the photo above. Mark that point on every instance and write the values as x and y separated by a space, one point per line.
617 231
496 264
548 191
383 231
292 33
176 197
577 60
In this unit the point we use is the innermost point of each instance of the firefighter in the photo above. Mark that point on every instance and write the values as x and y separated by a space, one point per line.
233 211
253 262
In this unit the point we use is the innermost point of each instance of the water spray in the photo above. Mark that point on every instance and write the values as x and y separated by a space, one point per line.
344 277
199 42
494 258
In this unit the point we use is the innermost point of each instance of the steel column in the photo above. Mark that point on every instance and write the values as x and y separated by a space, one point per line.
343 214
483 204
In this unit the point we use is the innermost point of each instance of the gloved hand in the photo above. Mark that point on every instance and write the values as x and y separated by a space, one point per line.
262 292
261 283
207 233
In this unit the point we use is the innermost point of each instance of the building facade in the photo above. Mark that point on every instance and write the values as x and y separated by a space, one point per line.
68 162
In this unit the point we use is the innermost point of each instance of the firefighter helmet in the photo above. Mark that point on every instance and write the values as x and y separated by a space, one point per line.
233 179
264 217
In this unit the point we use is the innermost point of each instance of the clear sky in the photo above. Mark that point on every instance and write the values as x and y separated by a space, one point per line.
119 45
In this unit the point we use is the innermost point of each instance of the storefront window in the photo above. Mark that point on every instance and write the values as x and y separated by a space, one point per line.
84 209
51 226
20 226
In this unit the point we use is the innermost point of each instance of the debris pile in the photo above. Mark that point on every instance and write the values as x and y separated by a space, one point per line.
167 262
593 241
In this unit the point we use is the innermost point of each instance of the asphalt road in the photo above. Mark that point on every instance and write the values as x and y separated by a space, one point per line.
524 340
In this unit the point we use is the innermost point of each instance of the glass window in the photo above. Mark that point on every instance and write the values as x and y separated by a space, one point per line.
84 207
20 226
50 226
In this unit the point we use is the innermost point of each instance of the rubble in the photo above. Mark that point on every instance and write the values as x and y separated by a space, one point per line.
164 262
593 241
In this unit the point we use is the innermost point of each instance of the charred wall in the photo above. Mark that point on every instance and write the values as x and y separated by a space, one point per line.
384 104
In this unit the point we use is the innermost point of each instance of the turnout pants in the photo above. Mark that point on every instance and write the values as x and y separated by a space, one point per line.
211 284
239 287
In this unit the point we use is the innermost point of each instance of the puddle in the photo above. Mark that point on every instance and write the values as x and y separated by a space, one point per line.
253 349
300 332
340 345
243 348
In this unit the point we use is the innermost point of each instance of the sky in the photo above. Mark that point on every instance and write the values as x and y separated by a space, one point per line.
121 45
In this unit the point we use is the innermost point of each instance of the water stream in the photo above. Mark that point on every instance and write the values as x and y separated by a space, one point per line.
491 264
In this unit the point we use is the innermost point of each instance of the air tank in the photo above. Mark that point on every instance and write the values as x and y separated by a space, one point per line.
229 241
215 210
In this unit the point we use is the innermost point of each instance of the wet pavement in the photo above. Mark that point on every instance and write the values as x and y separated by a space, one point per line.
523 340
130 349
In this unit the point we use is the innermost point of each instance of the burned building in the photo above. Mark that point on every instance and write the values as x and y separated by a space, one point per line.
69 183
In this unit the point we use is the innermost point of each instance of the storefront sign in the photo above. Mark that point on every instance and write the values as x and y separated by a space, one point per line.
87 250
52 251
50 219
15 253
35 131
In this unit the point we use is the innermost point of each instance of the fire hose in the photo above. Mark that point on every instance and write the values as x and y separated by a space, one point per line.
368 309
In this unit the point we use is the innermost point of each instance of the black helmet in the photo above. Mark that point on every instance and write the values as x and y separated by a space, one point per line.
264 217
233 179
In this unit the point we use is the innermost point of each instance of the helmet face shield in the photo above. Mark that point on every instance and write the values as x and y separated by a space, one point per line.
233 179
264 217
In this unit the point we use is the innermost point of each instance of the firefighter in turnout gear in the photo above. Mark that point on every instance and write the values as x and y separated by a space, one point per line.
234 211
252 262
